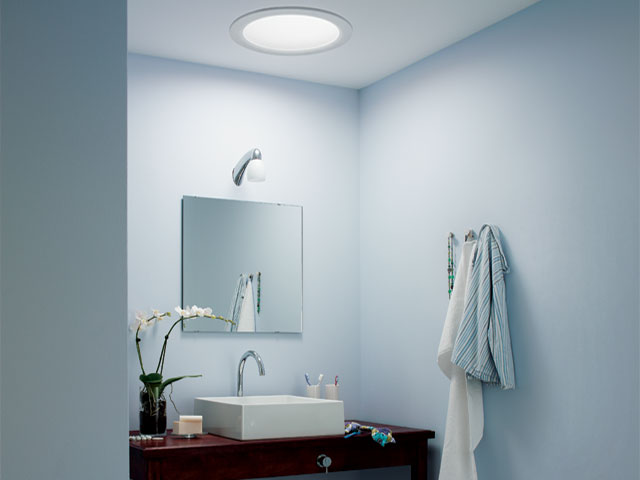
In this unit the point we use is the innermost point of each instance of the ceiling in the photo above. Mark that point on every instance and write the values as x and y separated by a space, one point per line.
388 35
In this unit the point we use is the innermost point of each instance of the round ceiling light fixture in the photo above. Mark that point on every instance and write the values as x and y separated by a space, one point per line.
290 30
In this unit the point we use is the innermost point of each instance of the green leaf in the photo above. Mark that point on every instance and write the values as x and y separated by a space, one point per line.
151 378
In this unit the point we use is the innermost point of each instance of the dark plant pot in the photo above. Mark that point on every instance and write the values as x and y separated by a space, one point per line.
153 414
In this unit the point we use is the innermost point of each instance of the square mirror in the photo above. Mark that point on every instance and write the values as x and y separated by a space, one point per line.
244 260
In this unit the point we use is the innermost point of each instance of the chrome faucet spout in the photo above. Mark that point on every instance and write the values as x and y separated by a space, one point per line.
243 359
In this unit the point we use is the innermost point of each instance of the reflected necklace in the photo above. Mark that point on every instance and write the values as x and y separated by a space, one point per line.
259 288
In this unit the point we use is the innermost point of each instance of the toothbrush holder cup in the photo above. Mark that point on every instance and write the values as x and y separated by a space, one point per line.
331 392
313 391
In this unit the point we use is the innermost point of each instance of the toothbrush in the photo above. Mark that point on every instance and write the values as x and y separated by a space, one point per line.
306 377
335 382
320 379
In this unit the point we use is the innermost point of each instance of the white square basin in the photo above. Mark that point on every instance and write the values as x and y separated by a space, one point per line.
270 416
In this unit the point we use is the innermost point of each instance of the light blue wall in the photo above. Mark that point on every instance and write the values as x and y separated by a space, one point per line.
63 235
0 237
531 124
188 126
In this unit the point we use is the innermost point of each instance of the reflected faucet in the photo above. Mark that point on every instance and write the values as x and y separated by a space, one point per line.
247 354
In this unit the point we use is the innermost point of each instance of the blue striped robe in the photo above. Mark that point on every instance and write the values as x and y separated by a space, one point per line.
483 344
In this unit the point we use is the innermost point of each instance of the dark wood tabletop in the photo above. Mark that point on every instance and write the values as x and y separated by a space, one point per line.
218 458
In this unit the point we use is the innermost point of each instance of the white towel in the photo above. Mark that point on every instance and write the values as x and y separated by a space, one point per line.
465 417
247 319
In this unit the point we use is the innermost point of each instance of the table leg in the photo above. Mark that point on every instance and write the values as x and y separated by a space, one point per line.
419 465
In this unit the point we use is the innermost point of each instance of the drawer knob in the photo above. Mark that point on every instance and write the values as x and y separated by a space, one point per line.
323 461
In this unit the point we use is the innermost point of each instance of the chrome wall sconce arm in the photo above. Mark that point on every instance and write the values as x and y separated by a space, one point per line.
251 163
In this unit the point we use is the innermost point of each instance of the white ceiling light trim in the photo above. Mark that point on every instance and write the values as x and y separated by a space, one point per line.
290 30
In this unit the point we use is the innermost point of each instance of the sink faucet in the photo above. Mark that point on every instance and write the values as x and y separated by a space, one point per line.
247 354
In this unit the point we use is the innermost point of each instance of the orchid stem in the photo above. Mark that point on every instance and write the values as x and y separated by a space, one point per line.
160 367
138 349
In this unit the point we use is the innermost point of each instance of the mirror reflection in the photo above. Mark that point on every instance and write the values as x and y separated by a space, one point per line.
243 259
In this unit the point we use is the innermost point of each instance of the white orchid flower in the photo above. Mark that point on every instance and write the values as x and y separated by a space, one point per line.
207 311
141 325
182 312
160 315
135 324
139 322
196 310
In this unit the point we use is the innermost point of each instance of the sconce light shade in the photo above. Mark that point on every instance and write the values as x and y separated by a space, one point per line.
255 171
251 164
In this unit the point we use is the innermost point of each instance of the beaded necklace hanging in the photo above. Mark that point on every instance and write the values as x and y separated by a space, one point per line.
259 288
450 263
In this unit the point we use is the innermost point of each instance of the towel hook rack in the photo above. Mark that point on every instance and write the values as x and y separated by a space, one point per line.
470 235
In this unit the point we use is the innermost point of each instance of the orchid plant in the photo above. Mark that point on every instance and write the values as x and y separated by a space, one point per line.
153 382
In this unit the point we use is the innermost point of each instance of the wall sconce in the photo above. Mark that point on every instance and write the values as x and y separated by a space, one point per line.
251 164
